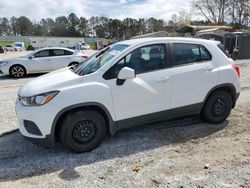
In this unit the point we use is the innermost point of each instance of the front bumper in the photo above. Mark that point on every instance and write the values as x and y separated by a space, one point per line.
40 128
4 69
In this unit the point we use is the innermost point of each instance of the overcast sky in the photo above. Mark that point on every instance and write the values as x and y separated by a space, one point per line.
37 9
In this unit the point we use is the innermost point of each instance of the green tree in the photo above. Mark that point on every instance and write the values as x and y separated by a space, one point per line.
25 26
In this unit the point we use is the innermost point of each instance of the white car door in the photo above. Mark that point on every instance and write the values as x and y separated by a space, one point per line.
61 58
148 93
192 76
40 62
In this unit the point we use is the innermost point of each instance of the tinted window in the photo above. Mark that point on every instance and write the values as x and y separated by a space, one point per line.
66 52
142 60
44 53
190 53
221 47
58 52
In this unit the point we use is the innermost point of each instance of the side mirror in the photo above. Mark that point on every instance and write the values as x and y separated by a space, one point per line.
126 73
31 57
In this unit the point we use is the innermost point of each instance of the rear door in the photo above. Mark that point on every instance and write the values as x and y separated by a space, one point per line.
61 58
40 62
193 75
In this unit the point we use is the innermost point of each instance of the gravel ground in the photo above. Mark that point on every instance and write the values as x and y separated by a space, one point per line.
166 154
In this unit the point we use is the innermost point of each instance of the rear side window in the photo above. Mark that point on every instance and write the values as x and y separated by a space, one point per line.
66 52
221 47
190 53
58 52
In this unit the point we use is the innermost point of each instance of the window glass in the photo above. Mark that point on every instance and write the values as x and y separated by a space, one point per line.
58 52
99 59
221 47
66 52
205 55
190 53
44 53
142 60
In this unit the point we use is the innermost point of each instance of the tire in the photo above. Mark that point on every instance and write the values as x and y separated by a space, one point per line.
73 64
17 71
83 131
217 107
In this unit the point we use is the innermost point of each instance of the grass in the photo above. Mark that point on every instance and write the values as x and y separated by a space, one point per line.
3 43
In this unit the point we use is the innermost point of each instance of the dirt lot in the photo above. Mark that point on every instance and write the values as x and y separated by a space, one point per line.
167 154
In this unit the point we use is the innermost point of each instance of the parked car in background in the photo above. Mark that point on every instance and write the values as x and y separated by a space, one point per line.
85 46
42 60
1 49
12 48
20 45
129 83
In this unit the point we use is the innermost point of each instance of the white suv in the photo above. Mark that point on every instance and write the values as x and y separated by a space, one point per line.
126 84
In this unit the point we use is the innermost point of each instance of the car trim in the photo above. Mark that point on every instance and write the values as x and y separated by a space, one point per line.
184 111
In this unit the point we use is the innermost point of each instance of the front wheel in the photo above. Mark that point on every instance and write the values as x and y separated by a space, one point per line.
83 131
17 71
217 107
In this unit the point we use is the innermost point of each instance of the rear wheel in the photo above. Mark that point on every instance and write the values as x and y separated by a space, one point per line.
17 71
218 107
83 130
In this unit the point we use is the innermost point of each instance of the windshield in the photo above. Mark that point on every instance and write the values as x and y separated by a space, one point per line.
99 59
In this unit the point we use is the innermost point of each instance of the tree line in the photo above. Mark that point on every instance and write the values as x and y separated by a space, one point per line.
73 26
228 12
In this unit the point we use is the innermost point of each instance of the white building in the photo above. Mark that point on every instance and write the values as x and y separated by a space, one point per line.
44 41
40 42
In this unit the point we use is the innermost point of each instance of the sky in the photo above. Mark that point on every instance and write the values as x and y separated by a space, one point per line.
38 9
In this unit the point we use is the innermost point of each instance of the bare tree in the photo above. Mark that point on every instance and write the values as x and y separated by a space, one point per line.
240 12
215 11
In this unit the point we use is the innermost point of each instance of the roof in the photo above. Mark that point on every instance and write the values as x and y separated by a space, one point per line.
164 39
57 48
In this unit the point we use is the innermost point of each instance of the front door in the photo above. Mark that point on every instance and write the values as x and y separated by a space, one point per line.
146 97
40 62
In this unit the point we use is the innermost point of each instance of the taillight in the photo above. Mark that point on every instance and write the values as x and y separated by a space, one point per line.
236 68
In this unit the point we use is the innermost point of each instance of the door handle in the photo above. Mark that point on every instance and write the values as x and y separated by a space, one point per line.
163 80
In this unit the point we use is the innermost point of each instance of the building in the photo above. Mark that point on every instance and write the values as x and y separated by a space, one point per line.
196 30
154 34
40 41
44 41
215 31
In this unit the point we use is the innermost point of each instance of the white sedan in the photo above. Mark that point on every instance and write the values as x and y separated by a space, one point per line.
42 60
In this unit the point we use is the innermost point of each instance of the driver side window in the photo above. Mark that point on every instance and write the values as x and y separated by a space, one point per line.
143 59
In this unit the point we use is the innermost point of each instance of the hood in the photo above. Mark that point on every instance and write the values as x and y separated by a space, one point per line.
49 82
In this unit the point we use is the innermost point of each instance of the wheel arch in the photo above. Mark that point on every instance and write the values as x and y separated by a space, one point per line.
83 106
72 62
230 88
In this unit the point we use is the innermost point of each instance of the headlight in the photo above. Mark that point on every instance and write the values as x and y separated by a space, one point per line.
3 62
38 100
